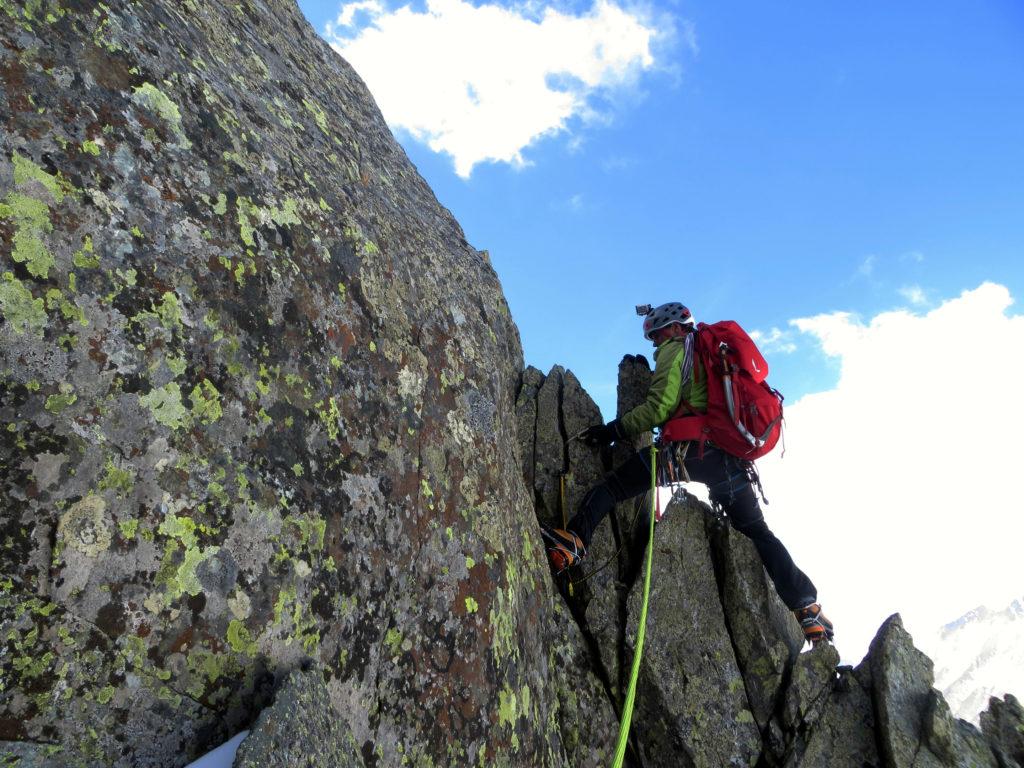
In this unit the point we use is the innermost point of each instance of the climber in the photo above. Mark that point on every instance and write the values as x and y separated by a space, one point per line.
680 387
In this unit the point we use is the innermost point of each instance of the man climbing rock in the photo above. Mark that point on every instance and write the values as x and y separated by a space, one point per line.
678 391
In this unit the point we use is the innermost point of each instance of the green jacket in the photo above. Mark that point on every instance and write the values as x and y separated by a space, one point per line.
668 389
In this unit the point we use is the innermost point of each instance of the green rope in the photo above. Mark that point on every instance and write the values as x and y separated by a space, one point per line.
627 709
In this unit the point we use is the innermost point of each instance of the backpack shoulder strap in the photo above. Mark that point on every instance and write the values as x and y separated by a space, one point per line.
693 340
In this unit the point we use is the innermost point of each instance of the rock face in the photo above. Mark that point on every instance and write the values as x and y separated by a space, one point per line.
266 431
257 396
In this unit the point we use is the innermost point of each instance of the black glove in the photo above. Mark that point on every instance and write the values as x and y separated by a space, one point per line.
601 435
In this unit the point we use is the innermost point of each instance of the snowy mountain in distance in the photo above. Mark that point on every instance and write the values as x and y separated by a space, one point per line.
979 655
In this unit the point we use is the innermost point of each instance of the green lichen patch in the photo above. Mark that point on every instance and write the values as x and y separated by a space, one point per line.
117 479
297 624
311 529
507 707
175 364
318 114
248 217
105 694
85 257
186 579
24 313
205 402
393 640
129 528
165 405
240 639
31 218
155 100
57 301
28 208
181 528
57 402
287 214
330 416
26 171
168 311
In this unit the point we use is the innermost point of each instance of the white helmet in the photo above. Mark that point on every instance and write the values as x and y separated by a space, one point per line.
660 317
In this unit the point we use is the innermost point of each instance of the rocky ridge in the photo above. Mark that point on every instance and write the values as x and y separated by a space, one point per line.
266 432
723 680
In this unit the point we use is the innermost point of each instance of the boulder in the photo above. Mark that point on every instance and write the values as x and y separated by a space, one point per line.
258 400
300 728
691 699
915 726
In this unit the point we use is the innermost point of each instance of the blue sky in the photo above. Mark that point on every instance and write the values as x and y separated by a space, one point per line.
846 179
799 159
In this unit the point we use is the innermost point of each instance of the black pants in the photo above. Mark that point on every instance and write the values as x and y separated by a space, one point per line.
730 488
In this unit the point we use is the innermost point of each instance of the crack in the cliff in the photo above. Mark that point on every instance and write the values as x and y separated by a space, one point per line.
51 541
533 439
35 742
419 470
565 446
718 530
807 724
880 745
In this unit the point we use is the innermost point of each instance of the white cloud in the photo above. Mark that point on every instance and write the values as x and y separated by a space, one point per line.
899 488
914 294
576 203
614 163
482 83
775 340
688 32
867 267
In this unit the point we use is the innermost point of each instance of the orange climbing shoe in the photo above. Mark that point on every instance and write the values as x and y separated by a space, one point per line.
565 548
813 622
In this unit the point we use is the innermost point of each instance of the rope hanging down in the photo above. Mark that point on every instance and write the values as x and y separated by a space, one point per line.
627 708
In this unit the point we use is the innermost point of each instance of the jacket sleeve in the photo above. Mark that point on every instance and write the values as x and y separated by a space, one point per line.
664 394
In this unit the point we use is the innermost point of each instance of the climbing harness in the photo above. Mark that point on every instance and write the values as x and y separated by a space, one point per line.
672 464
627 707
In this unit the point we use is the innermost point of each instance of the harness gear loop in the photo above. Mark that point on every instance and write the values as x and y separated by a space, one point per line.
627 708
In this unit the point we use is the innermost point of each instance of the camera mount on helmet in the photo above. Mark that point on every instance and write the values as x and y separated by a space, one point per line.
662 316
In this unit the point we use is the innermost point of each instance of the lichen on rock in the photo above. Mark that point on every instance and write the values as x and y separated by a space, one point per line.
281 385
85 528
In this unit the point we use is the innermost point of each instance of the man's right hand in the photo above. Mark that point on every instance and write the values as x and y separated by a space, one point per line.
601 435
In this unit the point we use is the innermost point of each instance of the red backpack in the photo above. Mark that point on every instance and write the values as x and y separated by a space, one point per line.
744 416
